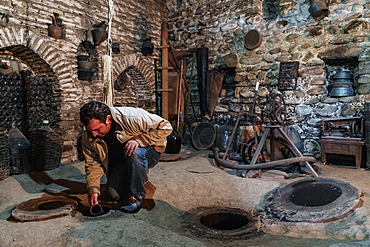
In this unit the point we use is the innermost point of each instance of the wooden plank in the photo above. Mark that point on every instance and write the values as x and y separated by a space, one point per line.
163 47
165 90
167 68
164 36
174 58
176 80
181 95
173 79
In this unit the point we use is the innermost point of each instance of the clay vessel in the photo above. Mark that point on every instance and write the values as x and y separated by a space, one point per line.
54 30
99 35
173 143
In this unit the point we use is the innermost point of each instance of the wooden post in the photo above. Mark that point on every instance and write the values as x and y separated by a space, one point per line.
164 68
180 95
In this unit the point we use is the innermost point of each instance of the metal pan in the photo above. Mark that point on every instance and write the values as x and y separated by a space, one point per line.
203 136
252 39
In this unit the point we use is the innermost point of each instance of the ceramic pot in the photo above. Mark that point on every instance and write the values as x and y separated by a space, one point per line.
83 57
86 65
173 143
54 30
85 74
99 35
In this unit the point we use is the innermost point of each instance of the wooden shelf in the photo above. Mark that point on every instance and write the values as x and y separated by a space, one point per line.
163 47
165 90
168 68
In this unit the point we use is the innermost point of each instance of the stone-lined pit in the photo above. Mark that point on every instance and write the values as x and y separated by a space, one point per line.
313 200
225 222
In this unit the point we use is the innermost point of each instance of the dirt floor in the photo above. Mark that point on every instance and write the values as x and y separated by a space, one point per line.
177 191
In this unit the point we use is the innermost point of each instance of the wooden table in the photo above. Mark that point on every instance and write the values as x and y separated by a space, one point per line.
342 146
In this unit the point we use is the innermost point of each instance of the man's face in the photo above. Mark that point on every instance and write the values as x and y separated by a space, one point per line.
97 128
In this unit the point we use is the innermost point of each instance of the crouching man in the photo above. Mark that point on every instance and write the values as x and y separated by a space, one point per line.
123 143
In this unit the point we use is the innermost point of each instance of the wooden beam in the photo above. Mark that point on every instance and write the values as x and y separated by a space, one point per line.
165 90
164 36
167 68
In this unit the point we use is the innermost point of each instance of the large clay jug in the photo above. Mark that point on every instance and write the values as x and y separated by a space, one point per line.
173 143
54 30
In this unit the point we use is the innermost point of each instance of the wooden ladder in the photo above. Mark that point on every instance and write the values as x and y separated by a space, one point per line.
164 68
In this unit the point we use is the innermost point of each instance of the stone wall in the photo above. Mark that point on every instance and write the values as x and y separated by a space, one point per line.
289 33
24 39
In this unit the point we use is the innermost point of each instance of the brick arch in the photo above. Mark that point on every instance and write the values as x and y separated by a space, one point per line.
37 51
143 64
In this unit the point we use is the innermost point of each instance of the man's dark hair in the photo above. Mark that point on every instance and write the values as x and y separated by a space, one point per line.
94 109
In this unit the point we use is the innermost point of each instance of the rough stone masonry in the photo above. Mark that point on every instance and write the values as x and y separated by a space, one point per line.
289 33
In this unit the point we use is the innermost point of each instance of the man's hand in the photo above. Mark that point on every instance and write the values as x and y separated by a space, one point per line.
93 199
131 147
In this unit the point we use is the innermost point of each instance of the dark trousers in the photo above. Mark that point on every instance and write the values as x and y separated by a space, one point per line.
127 176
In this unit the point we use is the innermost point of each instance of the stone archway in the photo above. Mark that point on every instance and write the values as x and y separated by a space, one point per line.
135 74
32 90
37 51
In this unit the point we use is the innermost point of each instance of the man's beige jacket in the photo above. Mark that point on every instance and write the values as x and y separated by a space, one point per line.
144 127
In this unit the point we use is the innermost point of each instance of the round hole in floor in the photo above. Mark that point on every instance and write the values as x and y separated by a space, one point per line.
313 200
48 207
225 222
314 194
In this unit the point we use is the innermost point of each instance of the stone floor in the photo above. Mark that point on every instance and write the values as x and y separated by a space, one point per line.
177 190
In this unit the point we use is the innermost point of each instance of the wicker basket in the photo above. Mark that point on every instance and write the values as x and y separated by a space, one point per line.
4 171
4 155
46 149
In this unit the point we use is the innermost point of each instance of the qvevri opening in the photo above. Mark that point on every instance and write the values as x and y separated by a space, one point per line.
313 200
312 194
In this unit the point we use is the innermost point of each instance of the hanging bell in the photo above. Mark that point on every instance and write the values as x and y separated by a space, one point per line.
147 47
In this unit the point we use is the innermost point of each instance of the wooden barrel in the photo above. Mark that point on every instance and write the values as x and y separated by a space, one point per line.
232 60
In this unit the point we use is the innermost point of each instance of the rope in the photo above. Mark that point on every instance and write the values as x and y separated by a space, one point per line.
107 60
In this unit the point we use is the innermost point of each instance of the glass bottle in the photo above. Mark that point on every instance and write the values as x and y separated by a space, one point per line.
20 149
173 143
222 136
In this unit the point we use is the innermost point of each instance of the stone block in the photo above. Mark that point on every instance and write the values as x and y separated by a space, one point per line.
239 77
250 60
312 71
316 90
364 67
364 79
364 89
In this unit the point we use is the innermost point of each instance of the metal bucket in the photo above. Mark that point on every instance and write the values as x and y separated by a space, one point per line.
147 48
99 35
203 135
86 65
318 9
342 84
